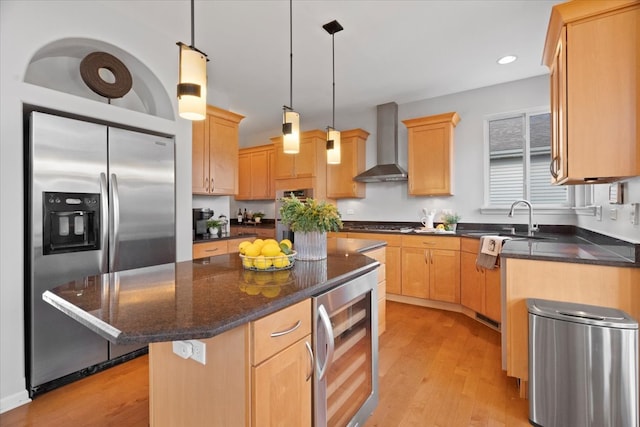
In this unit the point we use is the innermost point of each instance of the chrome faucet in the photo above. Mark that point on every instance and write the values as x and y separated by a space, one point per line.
531 227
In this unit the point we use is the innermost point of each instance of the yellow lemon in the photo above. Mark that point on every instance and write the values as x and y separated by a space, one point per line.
252 250
286 242
270 249
267 241
281 261
243 245
440 227
247 262
261 262
258 242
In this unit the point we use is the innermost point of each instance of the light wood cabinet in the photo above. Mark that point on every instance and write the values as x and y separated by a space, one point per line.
340 183
282 368
431 268
479 289
307 169
250 378
430 154
591 50
380 256
207 249
256 173
215 153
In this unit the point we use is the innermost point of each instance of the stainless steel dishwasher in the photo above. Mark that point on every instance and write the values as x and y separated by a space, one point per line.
583 365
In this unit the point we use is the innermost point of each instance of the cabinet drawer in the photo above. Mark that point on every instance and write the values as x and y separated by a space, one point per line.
431 242
202 250
279 330
377 254
469 245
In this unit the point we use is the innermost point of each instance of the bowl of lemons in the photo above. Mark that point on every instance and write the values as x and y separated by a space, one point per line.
267 254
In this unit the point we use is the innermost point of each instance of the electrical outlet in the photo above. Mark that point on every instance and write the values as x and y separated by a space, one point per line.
635 213
598 213
183 349
613 214
199 351
350 212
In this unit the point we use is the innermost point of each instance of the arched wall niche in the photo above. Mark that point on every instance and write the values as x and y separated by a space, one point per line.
57 66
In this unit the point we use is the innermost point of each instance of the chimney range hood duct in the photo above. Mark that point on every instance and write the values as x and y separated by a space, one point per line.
387 168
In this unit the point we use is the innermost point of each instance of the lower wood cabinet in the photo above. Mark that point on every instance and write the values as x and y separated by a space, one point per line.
431 268
250 377
479 289
261 232
282 368
207 249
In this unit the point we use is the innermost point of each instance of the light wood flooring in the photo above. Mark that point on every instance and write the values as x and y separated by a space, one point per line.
437 368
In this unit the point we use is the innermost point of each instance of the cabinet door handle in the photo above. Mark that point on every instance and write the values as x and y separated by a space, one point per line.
426 256
311 365
552 168
281 333
212 182
431 256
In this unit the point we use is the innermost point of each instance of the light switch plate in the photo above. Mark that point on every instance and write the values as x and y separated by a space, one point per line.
613 214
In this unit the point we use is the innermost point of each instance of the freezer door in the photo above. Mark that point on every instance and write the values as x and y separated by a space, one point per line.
65 156
142 200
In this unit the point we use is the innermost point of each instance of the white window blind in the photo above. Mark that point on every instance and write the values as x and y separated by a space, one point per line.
519 150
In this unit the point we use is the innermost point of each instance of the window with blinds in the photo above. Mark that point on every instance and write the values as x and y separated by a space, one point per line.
519 148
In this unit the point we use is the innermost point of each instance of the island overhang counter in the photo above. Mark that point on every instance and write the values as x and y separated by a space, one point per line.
202 298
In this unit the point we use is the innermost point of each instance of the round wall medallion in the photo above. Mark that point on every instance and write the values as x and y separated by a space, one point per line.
90 72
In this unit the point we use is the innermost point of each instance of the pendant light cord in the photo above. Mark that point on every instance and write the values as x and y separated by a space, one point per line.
333 61
193 41
290 54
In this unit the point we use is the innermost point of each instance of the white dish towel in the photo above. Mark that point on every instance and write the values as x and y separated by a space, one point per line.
490 248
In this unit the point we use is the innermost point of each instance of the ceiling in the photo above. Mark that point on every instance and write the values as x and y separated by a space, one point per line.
389 50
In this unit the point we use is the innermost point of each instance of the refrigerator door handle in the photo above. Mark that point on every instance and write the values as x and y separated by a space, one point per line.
104 222
115 225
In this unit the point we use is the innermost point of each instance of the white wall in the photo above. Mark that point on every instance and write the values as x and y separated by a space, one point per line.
26 26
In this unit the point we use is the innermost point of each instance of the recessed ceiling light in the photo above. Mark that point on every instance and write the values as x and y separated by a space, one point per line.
508 59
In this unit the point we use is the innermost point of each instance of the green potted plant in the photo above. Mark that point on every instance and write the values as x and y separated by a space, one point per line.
257 216
310 220
450 220
213 225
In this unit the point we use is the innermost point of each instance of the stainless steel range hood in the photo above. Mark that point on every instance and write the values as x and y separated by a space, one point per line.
387 168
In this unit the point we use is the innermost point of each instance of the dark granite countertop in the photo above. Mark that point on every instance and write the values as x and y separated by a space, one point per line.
201 298
553 243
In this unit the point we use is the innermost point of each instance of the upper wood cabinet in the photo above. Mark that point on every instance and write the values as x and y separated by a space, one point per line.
256 173
340 183
215 153
430 154
308 163
307 169
591 50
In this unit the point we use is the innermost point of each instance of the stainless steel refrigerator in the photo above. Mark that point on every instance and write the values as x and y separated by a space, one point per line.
100 199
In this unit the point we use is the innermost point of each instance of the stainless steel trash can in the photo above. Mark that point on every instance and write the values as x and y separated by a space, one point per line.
583 365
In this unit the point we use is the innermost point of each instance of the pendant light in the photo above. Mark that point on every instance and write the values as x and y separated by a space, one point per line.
333 136
290 118
192 80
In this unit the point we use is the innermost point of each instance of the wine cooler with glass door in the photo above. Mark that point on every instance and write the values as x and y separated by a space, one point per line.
346 349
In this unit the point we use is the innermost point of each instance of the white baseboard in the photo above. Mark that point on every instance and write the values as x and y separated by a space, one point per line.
10 402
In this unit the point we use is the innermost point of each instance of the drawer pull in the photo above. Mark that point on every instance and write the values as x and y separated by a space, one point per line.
428 243
211 250
281 333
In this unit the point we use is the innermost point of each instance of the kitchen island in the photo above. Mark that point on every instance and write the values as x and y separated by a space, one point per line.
228 310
